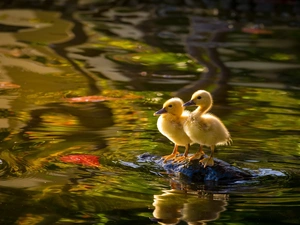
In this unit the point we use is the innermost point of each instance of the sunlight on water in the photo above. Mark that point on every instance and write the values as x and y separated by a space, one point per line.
79 86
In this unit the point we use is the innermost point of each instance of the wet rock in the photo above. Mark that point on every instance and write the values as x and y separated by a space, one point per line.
195 172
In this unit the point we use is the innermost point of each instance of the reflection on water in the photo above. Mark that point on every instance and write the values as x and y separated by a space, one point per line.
82 80
175 205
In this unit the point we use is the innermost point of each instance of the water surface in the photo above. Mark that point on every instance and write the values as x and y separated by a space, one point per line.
79 86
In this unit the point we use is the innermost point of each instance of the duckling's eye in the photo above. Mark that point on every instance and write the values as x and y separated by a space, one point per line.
199 97
170 106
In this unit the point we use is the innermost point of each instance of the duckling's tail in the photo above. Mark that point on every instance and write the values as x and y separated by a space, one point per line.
229 141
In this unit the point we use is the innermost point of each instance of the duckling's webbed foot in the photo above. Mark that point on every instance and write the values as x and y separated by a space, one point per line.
207 162
184 156
173 155
170 157
180 159
197 155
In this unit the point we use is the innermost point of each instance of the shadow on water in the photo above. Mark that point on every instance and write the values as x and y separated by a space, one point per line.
80 38
216 31
69 160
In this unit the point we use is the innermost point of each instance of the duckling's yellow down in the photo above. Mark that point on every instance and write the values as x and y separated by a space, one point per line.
204 128
170 123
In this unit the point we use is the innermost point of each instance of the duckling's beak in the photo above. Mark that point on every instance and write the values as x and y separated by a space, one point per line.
191 102
161 111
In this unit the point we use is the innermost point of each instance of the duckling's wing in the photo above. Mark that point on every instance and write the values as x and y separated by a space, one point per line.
206 122
217 129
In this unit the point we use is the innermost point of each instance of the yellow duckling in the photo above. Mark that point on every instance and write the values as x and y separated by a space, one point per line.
204 128
170 124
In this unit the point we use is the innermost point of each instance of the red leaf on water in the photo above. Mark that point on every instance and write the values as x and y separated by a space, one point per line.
85 160
8 85
89 99
100 98
254 30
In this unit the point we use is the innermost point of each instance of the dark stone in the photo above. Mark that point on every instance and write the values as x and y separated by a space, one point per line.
195 172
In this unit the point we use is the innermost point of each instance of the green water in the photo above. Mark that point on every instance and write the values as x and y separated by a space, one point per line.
131 60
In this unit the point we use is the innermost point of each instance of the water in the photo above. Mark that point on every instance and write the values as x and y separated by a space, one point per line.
69 158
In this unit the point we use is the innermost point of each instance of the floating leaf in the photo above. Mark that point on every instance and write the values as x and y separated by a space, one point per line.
85 160
100 98
256 30
8 85
89 99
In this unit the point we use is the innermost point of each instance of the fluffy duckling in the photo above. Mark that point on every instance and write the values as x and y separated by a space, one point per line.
204 128
170 123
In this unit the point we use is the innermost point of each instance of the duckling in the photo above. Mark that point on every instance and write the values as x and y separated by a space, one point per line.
170 123
204 128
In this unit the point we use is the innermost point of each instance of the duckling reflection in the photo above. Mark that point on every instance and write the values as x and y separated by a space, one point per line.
170 123
174 206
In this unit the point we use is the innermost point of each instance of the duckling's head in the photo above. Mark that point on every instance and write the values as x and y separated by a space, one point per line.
173 106
201 98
